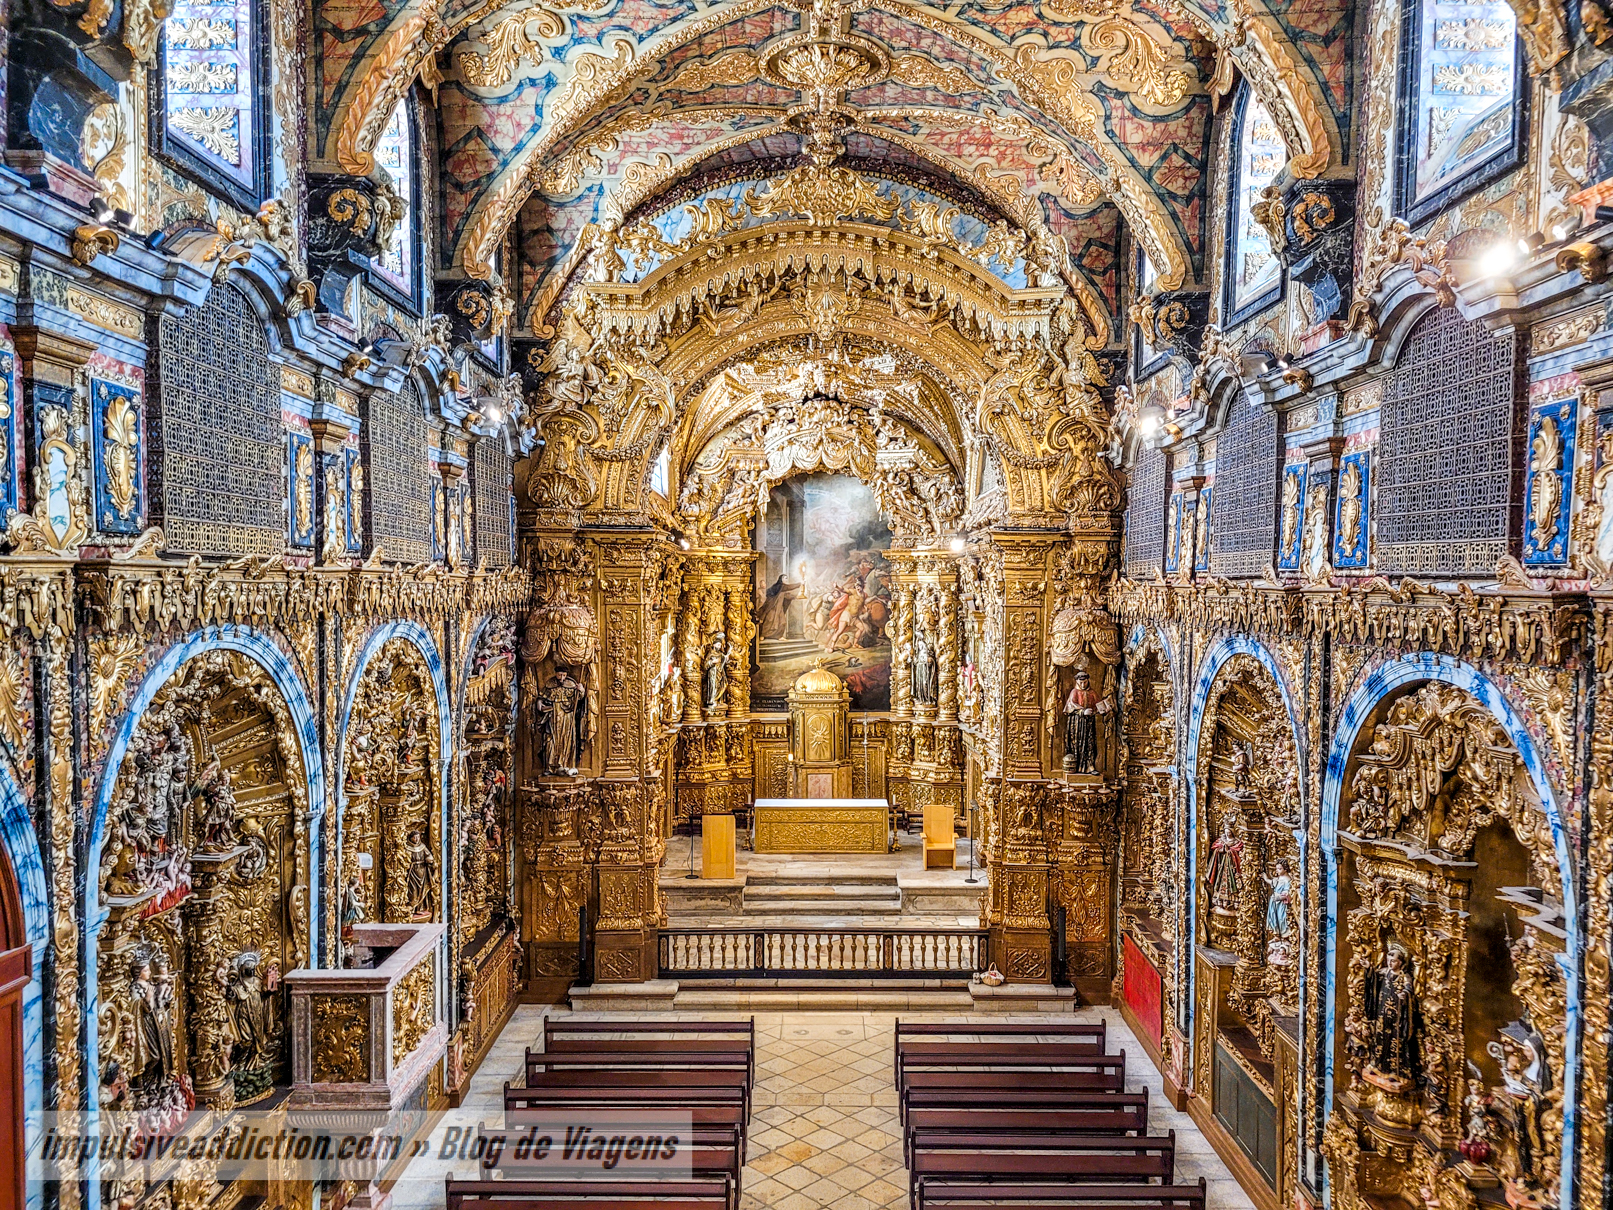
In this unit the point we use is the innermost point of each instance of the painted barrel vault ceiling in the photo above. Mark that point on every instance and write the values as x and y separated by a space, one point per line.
1067 119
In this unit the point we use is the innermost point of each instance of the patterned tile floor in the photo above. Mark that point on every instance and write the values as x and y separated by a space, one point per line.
824 1131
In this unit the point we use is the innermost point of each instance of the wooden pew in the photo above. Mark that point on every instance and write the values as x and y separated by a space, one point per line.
696 1051
1069 1031
1111 1113
926 1055
973 1195
556 1026
610 1081
728 1117
1040 1159
1113 1159
714 1155
964 1089
538 1062
549 1099
587 1195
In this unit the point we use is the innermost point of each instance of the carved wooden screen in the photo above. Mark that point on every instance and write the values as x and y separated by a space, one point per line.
219 477
490 480
1446 450
396 444
1145 515
1243 506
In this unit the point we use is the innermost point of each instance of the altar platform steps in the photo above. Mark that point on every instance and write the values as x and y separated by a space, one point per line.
851 896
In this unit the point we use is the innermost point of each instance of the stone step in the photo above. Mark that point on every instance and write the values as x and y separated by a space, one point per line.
823 890
823 997
802 912
849 879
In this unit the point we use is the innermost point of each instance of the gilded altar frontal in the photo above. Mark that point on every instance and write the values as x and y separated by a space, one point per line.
755 508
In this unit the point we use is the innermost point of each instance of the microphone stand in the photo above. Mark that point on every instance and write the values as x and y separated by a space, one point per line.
691 873
972 880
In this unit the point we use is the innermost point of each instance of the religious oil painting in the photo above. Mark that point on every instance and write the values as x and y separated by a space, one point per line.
823 590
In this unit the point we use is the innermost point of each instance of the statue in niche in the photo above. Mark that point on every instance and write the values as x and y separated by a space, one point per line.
1241 762
1081 710
215 809
352 904
1526 1079
1279 915
409 743
1394 1019
1475 1144
1225 871
923 671
151 992
421 876
245 993
561 708
714 678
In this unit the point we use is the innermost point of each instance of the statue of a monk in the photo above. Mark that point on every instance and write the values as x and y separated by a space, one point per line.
561 708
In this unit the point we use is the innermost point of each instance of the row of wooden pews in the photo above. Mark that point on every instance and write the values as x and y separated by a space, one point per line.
1028 1115
705 1069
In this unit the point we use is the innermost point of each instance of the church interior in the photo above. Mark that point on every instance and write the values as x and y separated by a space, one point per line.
998 603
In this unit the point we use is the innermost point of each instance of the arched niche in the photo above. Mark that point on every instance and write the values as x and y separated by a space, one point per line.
392 824
1246 866
1148 751
486 723
1451 971
203 889
1148 871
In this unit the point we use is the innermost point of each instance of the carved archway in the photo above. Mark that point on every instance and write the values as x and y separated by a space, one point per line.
1453 949
391 834
204 885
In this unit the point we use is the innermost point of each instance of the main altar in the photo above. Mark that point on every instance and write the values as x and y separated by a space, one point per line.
822 825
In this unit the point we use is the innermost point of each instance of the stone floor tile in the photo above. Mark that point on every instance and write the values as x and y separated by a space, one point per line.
769 1163
797 1177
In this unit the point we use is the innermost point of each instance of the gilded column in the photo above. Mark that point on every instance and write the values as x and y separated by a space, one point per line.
67 1086
1024 645
947 643
692 655
206 913
902 648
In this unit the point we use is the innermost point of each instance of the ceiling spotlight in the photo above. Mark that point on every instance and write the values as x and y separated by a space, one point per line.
684 542
957 545
1150 420
493 415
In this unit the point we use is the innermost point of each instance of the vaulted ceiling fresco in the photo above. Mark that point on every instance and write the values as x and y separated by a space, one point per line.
1052 125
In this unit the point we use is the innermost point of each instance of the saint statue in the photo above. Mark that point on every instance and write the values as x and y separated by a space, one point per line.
249 1013
1394 1018
1081 710
1226 870
215 809
421 876
1526 1079
1240 768
923 671
714 681
151 992
1279 914
352 905
1279 905
560 708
